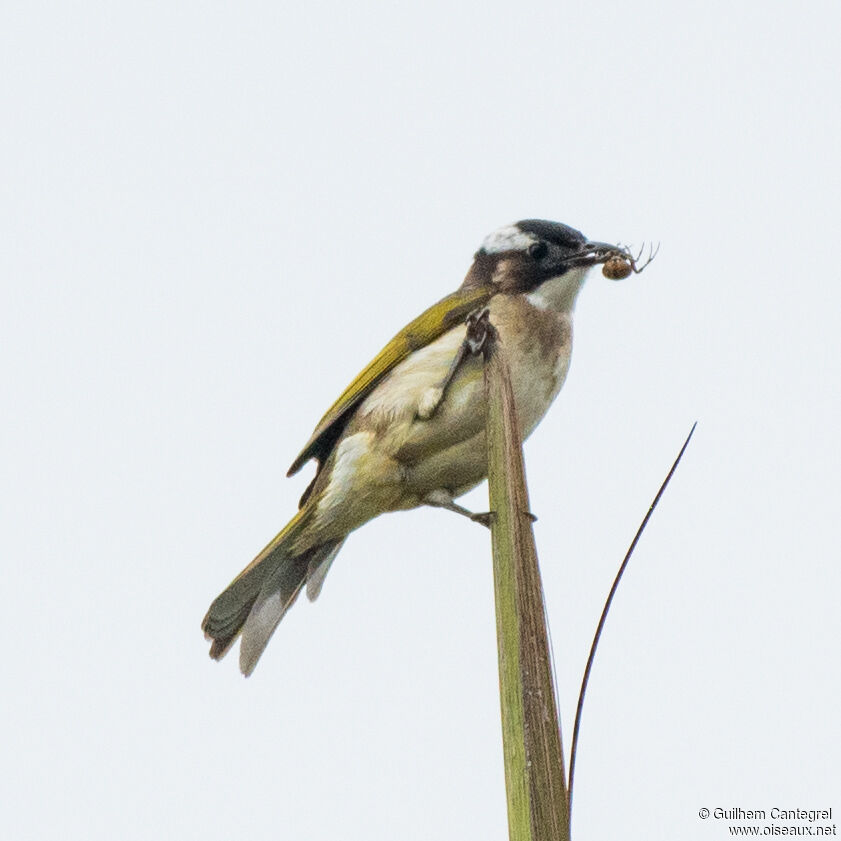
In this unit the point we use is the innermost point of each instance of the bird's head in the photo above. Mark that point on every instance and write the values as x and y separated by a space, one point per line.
545 260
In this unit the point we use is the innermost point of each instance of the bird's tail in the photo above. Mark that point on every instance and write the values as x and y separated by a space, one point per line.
257 599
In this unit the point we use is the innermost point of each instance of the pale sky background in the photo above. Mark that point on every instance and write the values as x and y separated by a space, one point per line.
213 215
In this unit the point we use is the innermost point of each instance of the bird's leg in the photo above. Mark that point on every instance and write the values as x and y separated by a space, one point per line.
477 331
441 499
432 397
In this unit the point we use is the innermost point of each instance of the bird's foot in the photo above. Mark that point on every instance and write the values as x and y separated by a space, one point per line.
485 518
443 499
479 327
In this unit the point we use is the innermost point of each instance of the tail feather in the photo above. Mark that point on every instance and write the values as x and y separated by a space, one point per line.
277 595
257 599
224 639
225 617
230 608
317 569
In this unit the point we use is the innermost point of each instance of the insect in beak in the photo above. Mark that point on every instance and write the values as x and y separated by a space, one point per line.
618 261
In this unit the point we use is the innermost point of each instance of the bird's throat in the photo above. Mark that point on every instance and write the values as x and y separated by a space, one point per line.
559 293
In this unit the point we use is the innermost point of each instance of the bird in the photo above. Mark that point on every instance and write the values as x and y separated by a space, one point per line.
410 429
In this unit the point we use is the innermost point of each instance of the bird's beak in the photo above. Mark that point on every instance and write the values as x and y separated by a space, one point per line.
602 249
594 253
601 252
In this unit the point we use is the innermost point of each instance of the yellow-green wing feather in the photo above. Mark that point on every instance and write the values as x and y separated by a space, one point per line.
427 327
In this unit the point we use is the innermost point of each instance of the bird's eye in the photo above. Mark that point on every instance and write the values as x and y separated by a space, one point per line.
537 250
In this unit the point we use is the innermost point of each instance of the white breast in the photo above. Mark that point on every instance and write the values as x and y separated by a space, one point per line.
538 343
537 378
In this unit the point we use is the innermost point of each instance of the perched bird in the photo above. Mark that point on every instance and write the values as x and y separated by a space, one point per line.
410 429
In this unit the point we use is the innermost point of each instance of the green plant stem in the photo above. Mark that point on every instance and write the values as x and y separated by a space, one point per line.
535 779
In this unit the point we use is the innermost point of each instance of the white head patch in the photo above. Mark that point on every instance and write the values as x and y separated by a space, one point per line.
509 238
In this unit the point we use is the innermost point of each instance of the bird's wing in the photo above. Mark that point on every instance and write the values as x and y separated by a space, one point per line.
427 327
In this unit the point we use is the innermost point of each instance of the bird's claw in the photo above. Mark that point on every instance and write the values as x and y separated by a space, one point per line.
484 517
478 329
